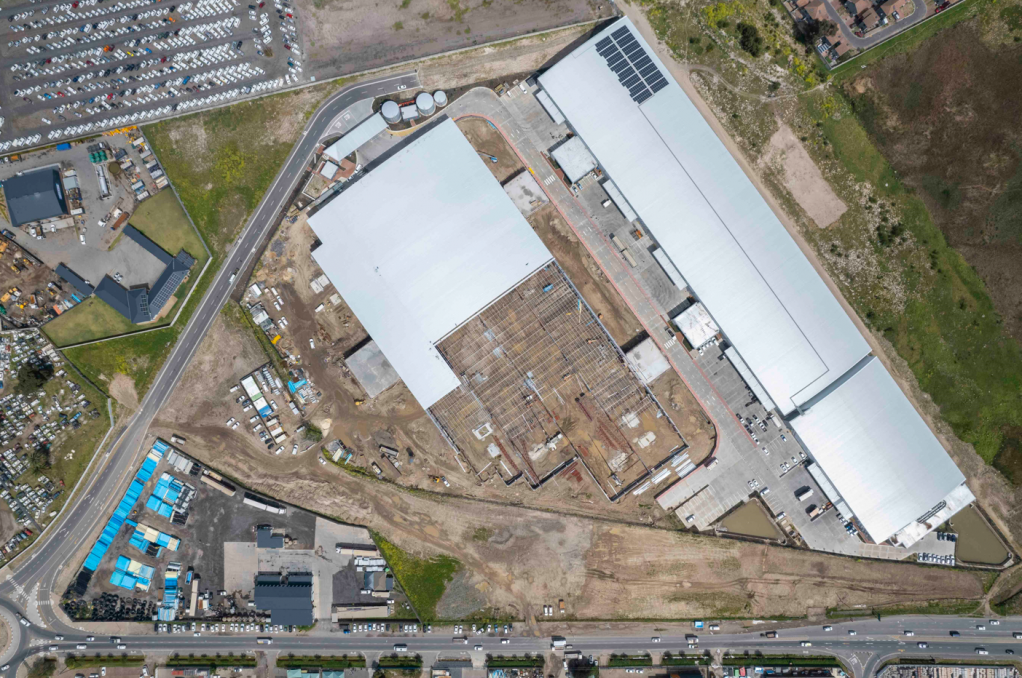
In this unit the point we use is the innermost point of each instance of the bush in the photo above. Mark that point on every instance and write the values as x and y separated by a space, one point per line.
312 433
44 668
32 377
749 39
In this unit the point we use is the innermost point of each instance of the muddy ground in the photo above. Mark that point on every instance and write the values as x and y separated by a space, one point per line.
349 36
952 132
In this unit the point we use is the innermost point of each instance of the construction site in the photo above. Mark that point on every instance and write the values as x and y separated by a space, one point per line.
546 392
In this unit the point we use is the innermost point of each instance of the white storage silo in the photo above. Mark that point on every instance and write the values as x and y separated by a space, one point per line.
424 102
391 112
440 97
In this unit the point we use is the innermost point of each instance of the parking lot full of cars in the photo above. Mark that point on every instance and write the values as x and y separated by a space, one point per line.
73 68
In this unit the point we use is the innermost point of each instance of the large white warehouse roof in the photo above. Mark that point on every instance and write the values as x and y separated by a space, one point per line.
419 245
878 453
706 214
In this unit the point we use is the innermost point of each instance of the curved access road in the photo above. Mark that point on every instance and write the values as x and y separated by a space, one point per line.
28 589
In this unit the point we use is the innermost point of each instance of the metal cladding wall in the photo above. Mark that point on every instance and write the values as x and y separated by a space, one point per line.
420 245
707 216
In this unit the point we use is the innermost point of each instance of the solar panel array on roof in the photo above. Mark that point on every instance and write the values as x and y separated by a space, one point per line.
628 59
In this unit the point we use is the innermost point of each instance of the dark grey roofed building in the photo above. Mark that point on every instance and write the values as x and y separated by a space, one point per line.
288 601
265 539
140 305
133 304
76 281
34 196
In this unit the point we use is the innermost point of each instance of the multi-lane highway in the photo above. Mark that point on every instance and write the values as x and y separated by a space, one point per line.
862 645
30 585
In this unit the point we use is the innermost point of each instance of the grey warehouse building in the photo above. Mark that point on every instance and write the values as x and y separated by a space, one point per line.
883 465
34 196
288 598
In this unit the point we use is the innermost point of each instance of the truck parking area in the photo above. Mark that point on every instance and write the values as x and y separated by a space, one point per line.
72 67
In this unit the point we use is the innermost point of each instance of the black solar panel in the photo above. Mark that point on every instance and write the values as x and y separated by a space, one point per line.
643 62
648 70
633 51
634 68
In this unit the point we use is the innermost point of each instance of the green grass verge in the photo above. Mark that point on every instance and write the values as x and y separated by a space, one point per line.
110 660
397 661
328 662
139 356
952 607
163 221
780 660
629 660
212 661
500 662
423 580
911 38
670 660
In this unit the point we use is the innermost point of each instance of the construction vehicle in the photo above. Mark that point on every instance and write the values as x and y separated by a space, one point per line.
492 158
359 402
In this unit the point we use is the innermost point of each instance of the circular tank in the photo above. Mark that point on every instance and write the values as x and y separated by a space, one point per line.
424 102
391 112
440 97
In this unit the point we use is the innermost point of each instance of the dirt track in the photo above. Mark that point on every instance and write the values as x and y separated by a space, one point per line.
603 569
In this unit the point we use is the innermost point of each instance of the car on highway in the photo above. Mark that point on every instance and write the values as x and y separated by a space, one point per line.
1009 651
922 645
122 646
52 648
58 637
806 643
505 641
828 628
81 646
655 639
1017 635
995 622
478 648
400 647
981 650
89 639
954 634
910 633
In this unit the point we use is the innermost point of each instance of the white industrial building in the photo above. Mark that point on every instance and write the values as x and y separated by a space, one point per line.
697 325
715 229
420 245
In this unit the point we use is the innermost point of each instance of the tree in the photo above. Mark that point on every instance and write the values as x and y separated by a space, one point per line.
39 459
749 38
44 668
814 30
32 377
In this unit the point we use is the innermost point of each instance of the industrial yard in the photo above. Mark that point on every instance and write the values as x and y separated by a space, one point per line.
186 543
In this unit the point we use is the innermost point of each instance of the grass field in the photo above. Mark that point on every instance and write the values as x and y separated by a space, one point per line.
165 223
91 319
422 580
109 660
139 356
321 661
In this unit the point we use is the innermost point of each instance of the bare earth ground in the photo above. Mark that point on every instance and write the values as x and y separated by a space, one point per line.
604 570
8 525
348 36
803 178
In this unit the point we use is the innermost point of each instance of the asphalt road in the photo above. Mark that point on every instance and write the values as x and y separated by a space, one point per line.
28 589
876 38
872 643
